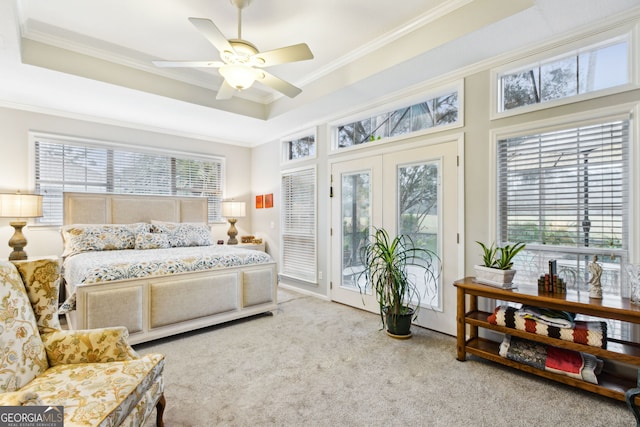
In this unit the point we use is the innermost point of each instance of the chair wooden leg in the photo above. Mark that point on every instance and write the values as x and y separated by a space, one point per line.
162 402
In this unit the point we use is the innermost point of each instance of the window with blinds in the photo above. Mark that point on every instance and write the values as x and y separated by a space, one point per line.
566 194
76 167
299 224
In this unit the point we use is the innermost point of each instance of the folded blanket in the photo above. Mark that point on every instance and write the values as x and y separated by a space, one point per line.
575 364
593 333
557 318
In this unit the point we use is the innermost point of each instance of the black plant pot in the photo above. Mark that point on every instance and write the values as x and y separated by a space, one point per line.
399 325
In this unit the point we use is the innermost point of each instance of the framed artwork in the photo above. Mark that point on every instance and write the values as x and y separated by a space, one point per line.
268 200
259 200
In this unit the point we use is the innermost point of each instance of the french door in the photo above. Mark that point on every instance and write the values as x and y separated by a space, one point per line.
413 192
355 208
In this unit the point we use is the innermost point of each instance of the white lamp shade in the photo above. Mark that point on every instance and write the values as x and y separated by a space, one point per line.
20 205
233 209
239 76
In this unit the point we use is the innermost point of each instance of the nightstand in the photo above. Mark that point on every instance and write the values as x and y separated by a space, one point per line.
254 246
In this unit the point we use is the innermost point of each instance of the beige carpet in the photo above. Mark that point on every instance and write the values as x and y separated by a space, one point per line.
317 363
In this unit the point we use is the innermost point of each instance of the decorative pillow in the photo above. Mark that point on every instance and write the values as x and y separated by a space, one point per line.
184 233
23 353
152 241
41 279
79 238
88 346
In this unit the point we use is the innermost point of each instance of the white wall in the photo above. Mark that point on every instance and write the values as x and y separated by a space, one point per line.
265 167
16 170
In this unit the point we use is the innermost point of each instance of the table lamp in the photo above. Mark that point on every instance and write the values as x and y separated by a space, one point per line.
19 206
232 211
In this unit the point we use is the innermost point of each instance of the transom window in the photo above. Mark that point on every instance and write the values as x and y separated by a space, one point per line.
434 112
299 148
588 70
87 167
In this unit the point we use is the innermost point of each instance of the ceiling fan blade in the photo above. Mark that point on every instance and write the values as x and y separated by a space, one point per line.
195 64
212 33
297 52
278 84
226 91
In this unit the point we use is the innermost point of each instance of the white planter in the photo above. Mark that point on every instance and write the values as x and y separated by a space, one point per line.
494 276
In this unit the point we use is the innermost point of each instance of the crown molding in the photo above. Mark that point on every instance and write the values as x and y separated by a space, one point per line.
385 39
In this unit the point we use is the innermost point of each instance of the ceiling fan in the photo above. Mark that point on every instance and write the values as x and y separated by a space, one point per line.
242 63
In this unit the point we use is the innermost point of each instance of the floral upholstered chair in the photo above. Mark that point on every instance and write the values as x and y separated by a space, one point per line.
98 378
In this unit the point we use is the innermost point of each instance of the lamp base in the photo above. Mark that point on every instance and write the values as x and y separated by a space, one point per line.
233 232
17 241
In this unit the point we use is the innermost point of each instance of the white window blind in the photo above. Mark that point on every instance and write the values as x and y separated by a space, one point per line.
299 224
566 188
62 166
566 194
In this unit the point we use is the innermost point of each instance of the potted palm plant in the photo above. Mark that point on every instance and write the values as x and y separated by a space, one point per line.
389 266
496 269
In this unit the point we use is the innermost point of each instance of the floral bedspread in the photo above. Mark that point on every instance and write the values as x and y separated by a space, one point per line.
105 266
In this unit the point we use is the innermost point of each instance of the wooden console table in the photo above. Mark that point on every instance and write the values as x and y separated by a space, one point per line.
607 308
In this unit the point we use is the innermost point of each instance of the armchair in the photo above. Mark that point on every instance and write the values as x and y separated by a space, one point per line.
98 378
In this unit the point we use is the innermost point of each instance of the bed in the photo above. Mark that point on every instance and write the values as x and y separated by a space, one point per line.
145 262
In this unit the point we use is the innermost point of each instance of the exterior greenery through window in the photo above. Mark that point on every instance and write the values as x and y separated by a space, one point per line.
566 195
418 203
418 212
75 167
435 112
300 148
590 70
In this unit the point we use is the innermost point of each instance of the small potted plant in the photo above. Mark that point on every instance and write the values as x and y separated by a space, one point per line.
496 269
387 263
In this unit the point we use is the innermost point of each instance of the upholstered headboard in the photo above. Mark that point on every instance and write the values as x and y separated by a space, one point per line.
103 208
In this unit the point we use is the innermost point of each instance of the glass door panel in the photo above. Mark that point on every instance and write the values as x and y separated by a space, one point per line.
356 223
418 217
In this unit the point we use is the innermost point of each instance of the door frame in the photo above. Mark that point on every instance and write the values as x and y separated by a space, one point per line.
393 146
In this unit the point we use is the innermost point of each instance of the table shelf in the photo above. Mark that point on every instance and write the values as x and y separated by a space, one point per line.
469 316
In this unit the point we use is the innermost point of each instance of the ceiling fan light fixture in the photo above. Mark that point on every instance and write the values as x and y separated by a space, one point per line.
238 76
239 57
